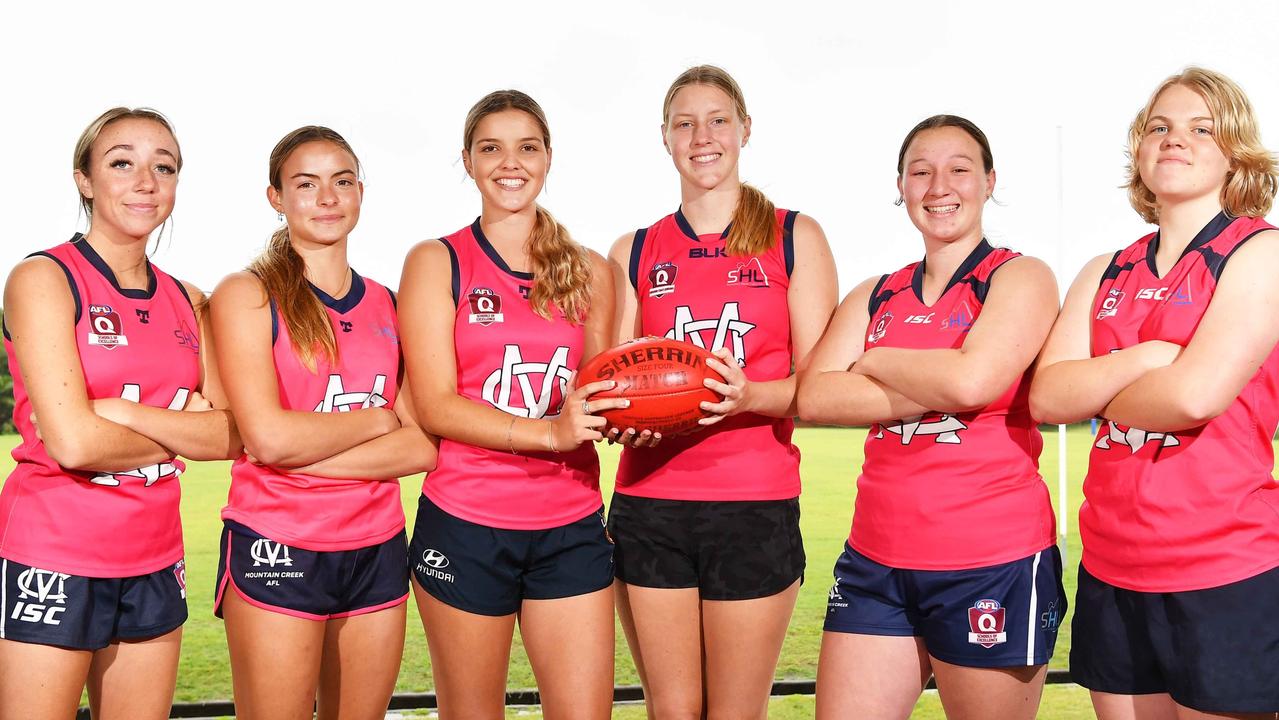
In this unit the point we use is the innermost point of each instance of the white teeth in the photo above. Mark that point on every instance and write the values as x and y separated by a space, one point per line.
942 209
511 182
706 158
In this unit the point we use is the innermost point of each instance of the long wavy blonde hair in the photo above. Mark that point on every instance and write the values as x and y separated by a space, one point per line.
754 227
1251 180
561 267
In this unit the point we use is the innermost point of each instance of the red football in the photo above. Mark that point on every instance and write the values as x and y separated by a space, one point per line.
663 380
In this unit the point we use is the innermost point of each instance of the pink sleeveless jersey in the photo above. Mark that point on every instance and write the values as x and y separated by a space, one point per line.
949 491
141 345
510 358
1198 508
691 289
309 511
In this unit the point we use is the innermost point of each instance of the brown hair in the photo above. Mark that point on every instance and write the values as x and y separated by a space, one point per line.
282 271
84 146
944 121
561 267
754 227
1251 179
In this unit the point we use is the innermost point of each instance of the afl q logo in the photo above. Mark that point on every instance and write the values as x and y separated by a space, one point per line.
435 558
486 306
105 328
662 279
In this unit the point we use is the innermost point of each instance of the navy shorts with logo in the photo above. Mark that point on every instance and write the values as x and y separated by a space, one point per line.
307 583
728 550
490 571
998 616
1214 650
83 613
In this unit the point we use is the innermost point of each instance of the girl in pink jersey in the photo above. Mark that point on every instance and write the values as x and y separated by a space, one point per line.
111 382
1172 342
312 582
950 568
496 319
709 555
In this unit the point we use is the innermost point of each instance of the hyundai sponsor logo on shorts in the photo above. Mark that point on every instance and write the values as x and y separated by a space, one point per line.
433 564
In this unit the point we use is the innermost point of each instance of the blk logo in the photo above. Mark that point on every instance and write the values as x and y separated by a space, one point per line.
346 325
725 329
269 553
544 400
144 316
149 474
42 596
337 399
698 252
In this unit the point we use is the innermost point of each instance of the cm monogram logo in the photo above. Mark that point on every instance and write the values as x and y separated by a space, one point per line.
727 327
266 552
555 376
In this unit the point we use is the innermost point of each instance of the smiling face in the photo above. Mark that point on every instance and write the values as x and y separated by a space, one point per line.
704 135
944 184
1178 158
132 177
508 158
320 193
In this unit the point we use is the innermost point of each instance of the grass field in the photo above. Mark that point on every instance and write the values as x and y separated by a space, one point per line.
830 460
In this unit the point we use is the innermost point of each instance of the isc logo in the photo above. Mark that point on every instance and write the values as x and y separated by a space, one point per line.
46 589
1152 293
919 319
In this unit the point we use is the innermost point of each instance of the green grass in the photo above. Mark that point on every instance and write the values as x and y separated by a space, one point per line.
831 458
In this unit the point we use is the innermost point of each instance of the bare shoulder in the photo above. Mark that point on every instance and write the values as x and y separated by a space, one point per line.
620 252
239 288
196 294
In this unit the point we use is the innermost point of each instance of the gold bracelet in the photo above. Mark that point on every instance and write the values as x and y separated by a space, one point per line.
550 436
510 444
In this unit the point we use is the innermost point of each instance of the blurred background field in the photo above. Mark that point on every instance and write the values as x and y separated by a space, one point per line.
830 461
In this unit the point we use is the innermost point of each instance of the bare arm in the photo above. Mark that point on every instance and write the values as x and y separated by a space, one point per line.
427 314
1069 384
1019 309
828 392
626 322
402 452
1236 335
40 316
204 428
811 299
273 435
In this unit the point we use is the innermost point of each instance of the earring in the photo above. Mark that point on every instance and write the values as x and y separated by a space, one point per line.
280 216
899 201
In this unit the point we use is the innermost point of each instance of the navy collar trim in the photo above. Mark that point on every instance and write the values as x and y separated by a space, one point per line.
1215 227
494 255
969 264
101 266
347 302
687 228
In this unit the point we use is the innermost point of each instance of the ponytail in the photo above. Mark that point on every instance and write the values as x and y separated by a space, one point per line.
754 227
283 275
561 270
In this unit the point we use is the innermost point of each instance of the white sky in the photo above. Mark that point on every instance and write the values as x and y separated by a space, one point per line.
832 88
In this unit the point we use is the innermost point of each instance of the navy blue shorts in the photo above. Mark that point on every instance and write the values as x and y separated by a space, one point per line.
998 616
728 550
490 571
306 583
1214 650
83 613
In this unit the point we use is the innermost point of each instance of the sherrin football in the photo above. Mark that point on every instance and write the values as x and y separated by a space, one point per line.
663 380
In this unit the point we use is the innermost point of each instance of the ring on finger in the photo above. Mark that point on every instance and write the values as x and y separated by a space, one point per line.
586 407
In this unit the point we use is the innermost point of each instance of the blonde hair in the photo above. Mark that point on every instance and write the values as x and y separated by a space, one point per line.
1251 179
754 227
84 146
282 271
561 267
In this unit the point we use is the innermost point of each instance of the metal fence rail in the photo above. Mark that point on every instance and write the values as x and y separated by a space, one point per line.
427 701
